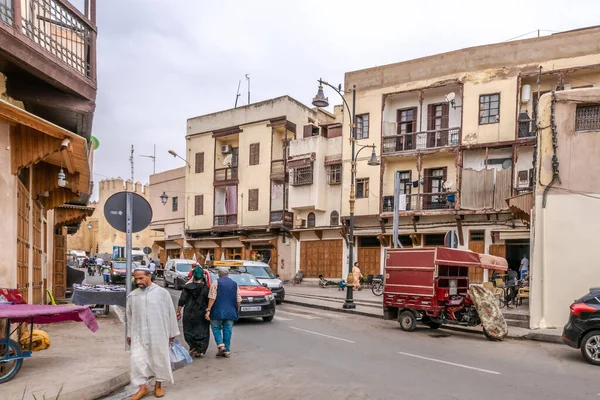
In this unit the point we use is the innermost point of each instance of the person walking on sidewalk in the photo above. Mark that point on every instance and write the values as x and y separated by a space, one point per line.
152 326
224 301
194 301
356 275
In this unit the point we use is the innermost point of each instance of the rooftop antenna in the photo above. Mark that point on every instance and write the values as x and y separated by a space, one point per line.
248 79
131 161
237 96
153 158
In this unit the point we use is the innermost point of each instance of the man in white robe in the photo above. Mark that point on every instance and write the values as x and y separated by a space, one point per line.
151 326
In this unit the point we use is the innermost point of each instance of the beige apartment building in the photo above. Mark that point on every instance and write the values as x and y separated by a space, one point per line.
566 214
169 202
457 130
238 182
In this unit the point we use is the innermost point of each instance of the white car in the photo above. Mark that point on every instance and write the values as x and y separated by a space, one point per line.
176 273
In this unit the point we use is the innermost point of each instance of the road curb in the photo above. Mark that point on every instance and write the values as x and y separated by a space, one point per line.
540 337
97 390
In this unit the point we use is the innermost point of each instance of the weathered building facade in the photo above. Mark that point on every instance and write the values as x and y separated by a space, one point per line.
48 91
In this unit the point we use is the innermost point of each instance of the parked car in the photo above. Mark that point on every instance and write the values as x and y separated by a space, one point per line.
176 273
583 329
257 300
261 271
118 271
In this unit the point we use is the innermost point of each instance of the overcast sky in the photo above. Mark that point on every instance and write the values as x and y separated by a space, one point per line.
161 62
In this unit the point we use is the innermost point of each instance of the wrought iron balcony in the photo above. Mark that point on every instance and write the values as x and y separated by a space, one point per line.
420 140
224 220
421 201
56 28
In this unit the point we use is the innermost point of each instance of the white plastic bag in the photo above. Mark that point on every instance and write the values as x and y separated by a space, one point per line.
179 356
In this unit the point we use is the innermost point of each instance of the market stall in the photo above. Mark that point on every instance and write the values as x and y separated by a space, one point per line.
106 295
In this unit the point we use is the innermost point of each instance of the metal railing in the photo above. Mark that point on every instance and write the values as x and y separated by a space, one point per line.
56 29
226 174
421 140
422 201
224 220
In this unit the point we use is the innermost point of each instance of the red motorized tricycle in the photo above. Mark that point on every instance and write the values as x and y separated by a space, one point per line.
431 285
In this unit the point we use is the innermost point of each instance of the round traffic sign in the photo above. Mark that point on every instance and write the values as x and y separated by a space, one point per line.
115 212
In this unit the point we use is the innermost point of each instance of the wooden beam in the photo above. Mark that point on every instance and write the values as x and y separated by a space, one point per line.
296 235
319 234
67 155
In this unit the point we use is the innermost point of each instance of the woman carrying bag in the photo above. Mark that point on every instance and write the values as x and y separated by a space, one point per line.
194 301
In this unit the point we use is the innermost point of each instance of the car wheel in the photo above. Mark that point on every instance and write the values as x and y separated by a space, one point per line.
590 347
268 319
165 284
407 320
278 301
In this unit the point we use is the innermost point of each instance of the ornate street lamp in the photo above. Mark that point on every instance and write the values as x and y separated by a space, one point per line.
164 198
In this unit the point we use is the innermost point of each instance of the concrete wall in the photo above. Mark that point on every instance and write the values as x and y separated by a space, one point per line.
171 182
566 231
8 209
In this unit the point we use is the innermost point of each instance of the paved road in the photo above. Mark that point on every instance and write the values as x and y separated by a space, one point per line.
306 353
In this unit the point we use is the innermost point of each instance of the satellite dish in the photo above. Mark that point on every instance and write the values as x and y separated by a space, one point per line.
227 160
506 164
450 96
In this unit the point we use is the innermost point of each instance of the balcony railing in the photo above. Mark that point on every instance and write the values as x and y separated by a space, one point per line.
57 28
277 169
224 220
285 218
226 174
421 140
422 201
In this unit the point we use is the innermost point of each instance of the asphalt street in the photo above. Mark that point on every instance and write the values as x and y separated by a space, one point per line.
307 353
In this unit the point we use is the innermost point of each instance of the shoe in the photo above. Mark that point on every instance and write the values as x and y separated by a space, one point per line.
226 354
144 391
220 350
159 392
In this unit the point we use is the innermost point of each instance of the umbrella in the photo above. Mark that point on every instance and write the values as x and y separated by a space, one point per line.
222 256
208 255
194 257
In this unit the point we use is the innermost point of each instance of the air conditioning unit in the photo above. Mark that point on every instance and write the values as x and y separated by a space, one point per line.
225 149
300 223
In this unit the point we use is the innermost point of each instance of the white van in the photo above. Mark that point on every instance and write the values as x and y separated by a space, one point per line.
261 271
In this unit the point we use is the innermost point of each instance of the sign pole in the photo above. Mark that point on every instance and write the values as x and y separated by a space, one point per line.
129 228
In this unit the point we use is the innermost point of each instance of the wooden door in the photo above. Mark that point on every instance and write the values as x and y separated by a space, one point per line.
498 250
321 257
369 260
23 241
477 245
37 282
59 274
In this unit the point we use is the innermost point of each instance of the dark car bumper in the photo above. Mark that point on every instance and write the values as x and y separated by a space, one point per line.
117 278
572 335
279 293
257 310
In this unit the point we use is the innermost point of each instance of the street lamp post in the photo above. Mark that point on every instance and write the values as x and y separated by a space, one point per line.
321 101
174 154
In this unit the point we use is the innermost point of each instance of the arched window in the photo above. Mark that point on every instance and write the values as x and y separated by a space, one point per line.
310 220
334 219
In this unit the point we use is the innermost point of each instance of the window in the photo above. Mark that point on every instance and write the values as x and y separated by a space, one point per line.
407 120
435 239
233 253
175 203
302 176
253 200
199 204
476 236
362 188
523 178
362 126
310 220
587 118
334 218
310 130
489 109
334 174
254 153
199 162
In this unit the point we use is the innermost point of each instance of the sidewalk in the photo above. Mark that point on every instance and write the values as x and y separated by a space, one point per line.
84 364
369 305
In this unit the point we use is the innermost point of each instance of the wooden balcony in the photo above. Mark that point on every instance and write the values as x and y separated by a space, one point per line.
407 142
226 176
422 201
225 220
52 40
278 171
283 218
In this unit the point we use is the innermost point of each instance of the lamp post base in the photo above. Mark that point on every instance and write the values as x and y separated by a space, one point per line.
349 305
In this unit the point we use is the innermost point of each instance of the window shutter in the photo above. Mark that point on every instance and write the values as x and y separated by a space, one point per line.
531 177
199 162
254 153
430 117
253 200
445 115
199 204
416 121
445 178
398 119
307 131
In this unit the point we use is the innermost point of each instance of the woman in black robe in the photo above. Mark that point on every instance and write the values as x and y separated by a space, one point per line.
194 301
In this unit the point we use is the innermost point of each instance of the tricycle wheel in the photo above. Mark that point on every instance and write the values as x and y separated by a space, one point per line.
433 324
8 369
407 320
489 337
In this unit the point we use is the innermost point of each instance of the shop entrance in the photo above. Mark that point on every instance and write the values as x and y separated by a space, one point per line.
514 253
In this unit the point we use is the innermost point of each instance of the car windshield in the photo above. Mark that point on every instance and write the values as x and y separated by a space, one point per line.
261 272
184 267
138 258
244 279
